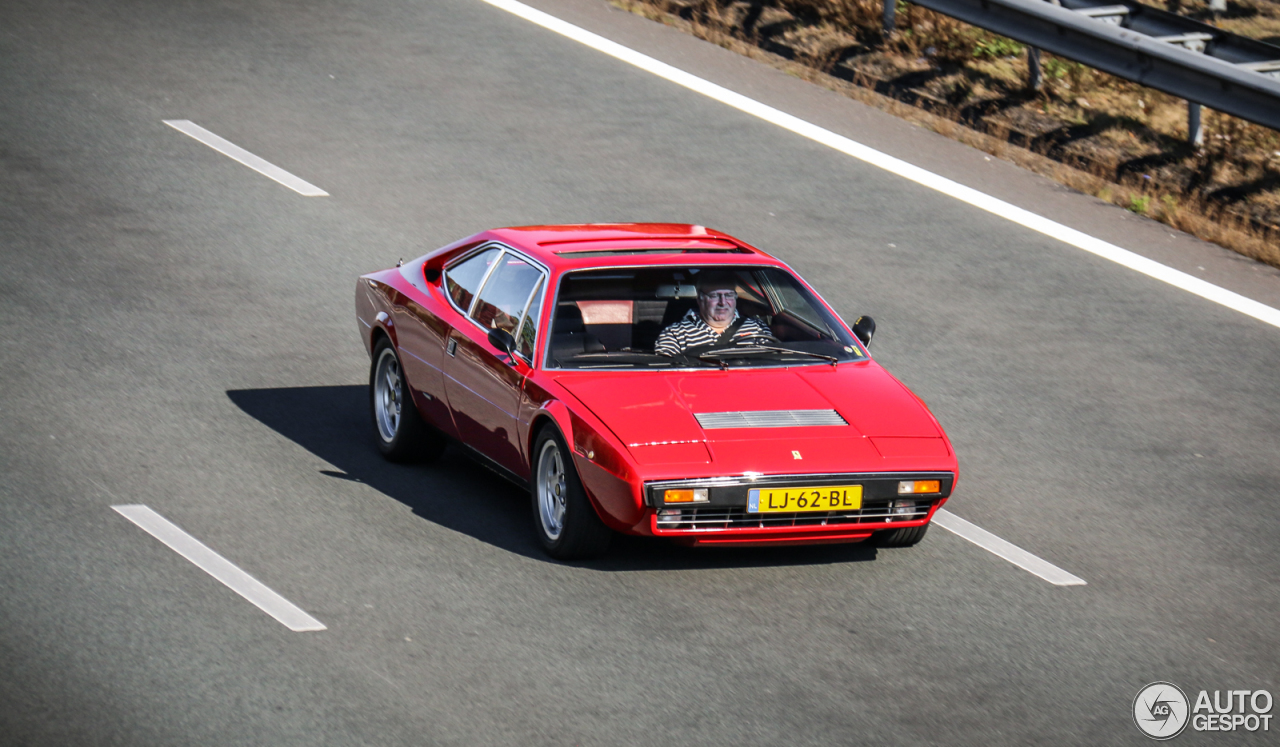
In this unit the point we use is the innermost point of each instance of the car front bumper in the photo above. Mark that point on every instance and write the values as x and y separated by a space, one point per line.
724 518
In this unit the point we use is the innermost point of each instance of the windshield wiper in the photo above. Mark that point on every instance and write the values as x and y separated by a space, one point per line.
747 350
611 358
614 354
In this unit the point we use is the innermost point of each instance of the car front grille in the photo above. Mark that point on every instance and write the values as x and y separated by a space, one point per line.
736 517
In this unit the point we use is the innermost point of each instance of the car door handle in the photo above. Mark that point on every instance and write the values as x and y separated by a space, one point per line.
452 347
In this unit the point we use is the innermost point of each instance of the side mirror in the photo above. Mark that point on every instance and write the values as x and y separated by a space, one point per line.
864 329
502 340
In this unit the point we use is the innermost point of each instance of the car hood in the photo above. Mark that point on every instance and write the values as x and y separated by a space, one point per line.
655 415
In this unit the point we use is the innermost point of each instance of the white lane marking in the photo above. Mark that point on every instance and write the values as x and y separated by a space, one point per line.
1007 550
980 200
220 568
231 150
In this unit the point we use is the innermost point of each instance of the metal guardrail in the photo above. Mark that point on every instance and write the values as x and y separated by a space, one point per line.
1166 51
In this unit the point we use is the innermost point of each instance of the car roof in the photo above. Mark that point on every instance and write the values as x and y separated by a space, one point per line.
580 246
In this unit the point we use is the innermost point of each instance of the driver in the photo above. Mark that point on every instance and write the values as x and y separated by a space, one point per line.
715 321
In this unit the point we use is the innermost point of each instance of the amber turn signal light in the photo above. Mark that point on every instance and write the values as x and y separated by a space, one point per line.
919 486
695 495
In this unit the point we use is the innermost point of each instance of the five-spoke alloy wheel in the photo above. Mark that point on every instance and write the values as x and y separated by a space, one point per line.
552 489
566 523
402 434
388 394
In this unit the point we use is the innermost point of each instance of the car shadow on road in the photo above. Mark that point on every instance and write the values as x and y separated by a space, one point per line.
456 492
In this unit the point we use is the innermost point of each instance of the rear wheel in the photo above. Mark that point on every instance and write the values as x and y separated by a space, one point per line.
905 537
564 519
402 435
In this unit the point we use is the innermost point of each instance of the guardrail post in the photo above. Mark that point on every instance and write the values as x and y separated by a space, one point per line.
1195 128
1033 66
889 6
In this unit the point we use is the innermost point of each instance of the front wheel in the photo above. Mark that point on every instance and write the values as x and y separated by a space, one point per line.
564 519
402 435
905 537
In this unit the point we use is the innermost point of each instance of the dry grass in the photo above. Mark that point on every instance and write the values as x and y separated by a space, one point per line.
1126 121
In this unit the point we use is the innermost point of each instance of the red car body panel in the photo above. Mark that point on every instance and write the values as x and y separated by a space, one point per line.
627 429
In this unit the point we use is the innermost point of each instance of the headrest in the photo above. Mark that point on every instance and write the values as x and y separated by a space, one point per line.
568 319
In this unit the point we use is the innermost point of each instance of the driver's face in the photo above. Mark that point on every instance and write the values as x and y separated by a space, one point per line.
717 306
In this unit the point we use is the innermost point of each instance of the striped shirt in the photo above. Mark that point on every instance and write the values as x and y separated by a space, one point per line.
692 332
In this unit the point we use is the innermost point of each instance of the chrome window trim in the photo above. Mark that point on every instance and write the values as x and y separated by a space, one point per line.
475 299
544 273
542 308
524 318
444 276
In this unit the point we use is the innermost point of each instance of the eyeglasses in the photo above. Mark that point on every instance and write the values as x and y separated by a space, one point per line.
721 296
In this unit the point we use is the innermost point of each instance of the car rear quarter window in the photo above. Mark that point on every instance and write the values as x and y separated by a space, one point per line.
464 278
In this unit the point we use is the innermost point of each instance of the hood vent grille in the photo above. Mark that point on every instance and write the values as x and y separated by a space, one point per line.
769 419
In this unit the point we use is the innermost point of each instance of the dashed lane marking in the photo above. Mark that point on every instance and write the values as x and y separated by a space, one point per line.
233 151
1007 550
220 568
980 200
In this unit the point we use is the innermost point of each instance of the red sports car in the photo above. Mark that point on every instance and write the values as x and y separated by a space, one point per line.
654 379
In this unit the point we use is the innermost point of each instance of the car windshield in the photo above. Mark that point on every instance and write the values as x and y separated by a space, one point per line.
693 317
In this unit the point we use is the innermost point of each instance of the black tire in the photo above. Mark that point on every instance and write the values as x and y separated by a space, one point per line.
398 428
905 537
566 523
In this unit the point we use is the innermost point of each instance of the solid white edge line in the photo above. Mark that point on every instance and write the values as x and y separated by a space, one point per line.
980 200
220 568
235 152
1007 550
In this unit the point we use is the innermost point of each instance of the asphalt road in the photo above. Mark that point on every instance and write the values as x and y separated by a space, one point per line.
176 330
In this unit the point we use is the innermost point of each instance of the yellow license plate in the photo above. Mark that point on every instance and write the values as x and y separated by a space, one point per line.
792 500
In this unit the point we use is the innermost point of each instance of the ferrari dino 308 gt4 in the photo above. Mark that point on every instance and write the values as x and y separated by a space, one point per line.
582 362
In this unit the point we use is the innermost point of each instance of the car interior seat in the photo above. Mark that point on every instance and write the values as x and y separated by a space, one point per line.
647 323
569 336
676 309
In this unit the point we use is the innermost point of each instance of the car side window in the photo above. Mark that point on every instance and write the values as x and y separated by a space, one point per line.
506 293
529 327
463 279
790 299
